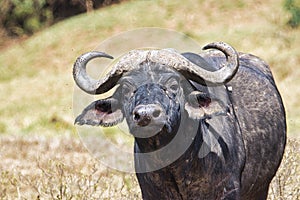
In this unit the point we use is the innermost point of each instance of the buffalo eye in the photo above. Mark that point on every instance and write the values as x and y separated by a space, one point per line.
173 85
124 91
127 89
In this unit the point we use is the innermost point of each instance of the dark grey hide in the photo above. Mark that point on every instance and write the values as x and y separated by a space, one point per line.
231 136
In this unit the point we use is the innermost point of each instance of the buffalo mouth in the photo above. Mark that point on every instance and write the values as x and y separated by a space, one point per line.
147 131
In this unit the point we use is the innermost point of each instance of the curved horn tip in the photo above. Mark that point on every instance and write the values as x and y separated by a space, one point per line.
82 79
97 54
216 45
227 72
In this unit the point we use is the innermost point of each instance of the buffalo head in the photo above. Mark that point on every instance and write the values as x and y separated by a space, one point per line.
154 89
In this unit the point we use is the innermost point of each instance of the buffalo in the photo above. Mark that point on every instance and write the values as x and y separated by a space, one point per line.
206 126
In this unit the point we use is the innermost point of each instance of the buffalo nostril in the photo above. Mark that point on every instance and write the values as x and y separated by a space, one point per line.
143 115
141 118
156 113
136 116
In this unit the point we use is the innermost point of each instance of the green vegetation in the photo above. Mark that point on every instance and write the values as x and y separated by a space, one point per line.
36 80
25 17
293 7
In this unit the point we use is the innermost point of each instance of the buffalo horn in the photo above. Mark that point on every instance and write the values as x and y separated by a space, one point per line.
166 57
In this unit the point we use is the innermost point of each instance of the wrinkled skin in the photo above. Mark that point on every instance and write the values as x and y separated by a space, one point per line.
232 135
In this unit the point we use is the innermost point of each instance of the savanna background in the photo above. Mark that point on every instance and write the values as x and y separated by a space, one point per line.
41 155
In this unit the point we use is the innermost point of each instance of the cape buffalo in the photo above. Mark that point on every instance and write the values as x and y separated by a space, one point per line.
206 126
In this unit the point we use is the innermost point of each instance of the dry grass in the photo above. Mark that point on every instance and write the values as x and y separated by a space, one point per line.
60 168
286 184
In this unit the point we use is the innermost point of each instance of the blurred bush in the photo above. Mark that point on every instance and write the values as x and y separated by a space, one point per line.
23 16
293 7
19 17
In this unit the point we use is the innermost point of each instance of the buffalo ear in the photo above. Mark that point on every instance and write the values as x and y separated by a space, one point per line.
200 105
104 112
